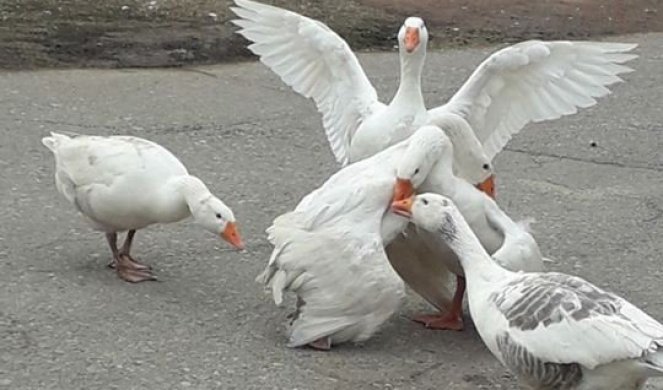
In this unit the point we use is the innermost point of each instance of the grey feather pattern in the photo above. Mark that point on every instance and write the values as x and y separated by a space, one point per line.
536 372
545 299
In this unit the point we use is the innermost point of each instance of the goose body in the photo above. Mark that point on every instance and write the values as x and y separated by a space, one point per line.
418 257
337 268
554 331
330 253
531 81
123 183
100 175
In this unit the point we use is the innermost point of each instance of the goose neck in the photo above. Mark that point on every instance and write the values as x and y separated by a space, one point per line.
409 89
476 262
191 189
441 179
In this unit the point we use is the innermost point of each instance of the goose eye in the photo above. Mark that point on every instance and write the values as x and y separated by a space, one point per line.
486 166
218 215
424 201
416 171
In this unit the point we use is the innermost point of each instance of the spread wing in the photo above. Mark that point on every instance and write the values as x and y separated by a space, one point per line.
316 63
534 81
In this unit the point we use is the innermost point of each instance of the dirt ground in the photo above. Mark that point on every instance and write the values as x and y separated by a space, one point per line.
151 33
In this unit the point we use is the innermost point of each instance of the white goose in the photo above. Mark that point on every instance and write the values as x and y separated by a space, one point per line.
330 250
123 183
531 81
554 331
508 242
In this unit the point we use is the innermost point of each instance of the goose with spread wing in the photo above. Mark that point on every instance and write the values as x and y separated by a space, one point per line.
554 331
530 81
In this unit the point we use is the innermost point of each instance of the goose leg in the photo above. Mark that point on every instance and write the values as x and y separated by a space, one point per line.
321 344
126 269
453 320
112 242
126 248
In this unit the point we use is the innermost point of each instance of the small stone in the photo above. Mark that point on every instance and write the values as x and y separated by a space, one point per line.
5 382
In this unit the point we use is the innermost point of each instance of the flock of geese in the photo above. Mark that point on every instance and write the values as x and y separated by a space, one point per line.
413 204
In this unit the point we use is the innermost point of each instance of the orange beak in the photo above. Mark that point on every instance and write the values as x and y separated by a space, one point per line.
403 207
488 186
231 235
402 189
411 39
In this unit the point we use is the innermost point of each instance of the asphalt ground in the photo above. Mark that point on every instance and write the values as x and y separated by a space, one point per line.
68 322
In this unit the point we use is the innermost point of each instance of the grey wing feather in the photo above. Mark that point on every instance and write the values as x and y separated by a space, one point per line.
422 269
544 310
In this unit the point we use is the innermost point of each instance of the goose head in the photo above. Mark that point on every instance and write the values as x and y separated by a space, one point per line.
412 41
413 36
470 160
213 215
425 149
439 215
431 212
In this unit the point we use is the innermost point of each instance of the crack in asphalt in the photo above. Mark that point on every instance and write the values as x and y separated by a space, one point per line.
556 184
419 373
199 71
201 128
64 123
578 159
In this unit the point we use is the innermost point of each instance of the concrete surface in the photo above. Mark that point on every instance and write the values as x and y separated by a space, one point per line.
67 322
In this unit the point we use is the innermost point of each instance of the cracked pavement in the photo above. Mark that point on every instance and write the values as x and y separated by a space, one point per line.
67 322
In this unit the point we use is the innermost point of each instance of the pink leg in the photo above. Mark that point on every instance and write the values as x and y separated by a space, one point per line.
321 344
453 320
124 251
126 268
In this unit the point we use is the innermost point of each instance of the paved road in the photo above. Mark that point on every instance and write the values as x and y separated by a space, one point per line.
67 322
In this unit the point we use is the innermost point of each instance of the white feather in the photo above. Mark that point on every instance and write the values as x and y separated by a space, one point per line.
534 81
315 62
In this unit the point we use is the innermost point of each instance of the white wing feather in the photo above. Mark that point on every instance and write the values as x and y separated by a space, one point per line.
316 63
343 280
331 255
534 81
